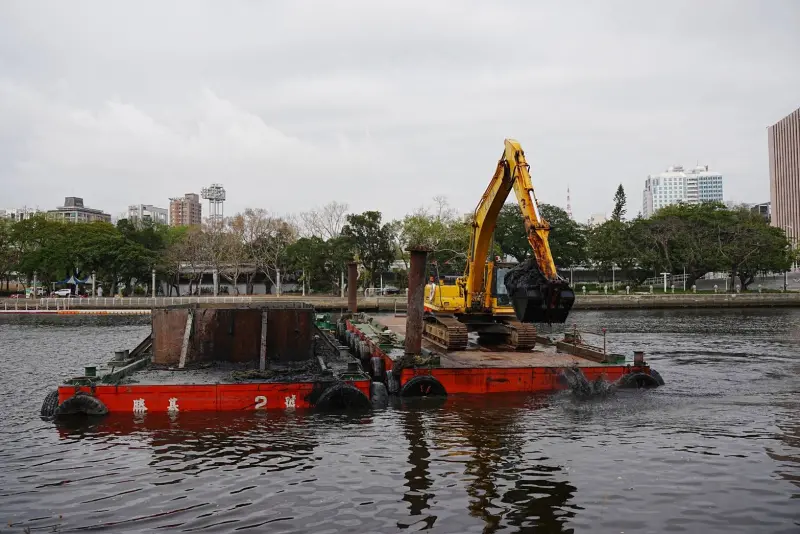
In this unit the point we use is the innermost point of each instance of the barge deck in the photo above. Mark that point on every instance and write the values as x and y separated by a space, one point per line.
379 341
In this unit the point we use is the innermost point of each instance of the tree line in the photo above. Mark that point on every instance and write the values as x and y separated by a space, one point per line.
314 247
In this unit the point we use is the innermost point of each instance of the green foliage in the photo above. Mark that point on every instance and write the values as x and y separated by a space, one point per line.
443 234
56 250
8 252
372 242
567 238
312 257
699 238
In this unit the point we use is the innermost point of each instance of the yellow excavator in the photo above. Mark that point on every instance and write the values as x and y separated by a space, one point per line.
500 301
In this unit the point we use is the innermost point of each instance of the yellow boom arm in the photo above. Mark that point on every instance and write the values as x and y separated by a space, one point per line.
512 173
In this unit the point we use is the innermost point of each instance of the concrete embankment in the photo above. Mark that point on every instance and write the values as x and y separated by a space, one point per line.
391 303
699 300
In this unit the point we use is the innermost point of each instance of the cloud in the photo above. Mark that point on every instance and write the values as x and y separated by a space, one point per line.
385 105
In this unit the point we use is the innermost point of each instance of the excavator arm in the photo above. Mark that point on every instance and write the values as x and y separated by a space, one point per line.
538 293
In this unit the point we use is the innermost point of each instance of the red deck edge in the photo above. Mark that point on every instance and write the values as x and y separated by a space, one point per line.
175 398
481 380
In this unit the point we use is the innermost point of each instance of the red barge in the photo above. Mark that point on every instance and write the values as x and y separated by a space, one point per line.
205 358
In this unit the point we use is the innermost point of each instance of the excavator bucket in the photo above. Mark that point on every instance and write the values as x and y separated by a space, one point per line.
535 298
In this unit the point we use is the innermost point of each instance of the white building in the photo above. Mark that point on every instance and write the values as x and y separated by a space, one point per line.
138 213
19 214
596 219
679 185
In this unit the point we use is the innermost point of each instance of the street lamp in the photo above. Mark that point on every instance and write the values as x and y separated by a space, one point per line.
613 277
791 245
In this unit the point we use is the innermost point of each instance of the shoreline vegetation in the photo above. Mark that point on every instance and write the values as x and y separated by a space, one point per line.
312 249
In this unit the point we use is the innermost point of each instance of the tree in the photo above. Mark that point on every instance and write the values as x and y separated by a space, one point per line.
267 238
325 222
748 245
171 257
8 252
372 241
610 246
687 238
619 204
567 238
191 252
237 256
441 232
312 257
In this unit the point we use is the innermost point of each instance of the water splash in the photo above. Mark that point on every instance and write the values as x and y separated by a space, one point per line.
583 388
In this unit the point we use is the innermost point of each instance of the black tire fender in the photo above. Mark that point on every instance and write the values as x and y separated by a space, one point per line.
50 404
655 374
379 395
637 381
81 404
342 397
423 386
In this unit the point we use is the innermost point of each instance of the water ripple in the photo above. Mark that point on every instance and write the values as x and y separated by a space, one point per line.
717 450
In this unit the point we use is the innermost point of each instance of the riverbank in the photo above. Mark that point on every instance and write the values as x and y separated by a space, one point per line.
109 306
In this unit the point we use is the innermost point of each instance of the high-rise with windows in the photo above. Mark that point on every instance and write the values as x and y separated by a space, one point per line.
185 210
783 142
677 184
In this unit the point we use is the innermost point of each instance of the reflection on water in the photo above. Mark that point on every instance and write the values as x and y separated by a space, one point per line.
717 450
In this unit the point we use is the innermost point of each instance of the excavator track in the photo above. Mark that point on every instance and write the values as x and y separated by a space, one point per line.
522 336
446 332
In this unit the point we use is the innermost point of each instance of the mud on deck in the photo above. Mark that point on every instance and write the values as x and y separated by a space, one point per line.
545 354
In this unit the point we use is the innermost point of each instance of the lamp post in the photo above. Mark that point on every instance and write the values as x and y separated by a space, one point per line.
34 284
153 273
791 245
613 276
665 282
94 284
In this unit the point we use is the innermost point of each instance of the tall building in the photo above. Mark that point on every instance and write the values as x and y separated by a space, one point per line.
140 213
677 184
783 140
73 211
19 214
186 210
764 209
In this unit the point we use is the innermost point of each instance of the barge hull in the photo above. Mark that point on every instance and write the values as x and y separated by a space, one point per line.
513 379
482 371
174 398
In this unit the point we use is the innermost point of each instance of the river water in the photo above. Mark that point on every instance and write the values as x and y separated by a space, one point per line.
715 450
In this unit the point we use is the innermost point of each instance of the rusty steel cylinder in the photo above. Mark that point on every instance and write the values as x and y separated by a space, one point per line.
416 295
352 287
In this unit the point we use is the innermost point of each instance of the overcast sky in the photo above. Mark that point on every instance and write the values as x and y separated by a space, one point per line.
385 105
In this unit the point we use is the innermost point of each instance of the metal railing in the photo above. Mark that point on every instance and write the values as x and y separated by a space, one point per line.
51 303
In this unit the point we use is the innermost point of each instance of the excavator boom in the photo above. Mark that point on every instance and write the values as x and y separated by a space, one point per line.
537 293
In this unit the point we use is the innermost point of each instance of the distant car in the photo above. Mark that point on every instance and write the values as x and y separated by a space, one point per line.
391 290
15 296
62 293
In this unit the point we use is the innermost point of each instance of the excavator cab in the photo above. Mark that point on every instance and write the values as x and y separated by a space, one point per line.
535 298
